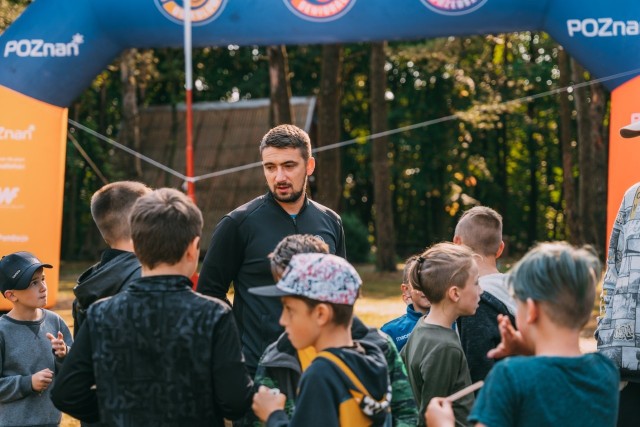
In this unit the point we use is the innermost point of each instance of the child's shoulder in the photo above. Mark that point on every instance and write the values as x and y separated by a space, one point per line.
523 366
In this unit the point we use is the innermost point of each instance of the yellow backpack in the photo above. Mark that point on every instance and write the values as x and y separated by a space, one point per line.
356 412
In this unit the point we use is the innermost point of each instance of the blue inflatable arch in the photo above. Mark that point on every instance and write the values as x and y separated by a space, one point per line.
56 48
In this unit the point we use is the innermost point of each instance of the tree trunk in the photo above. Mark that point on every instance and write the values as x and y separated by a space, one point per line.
568 182
600 139
534 164
130 127
585 160
385 239
280 111
329 178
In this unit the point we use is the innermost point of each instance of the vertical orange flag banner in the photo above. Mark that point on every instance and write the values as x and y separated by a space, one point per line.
624 154
32 159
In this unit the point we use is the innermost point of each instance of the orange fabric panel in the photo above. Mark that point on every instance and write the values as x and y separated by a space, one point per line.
624 154
32 160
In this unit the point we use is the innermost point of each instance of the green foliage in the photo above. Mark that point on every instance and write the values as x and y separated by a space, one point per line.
357 238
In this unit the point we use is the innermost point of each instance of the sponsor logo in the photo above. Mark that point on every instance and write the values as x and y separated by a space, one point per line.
8 195
319 10
602 27
454 7
38 48
14 238
12 163
202 11
17 134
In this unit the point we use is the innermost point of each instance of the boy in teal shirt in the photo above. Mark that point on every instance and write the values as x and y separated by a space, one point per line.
554 286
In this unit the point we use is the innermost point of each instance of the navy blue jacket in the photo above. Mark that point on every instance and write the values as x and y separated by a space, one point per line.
399 329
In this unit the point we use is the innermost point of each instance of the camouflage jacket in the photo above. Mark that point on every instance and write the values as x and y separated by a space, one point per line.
279 368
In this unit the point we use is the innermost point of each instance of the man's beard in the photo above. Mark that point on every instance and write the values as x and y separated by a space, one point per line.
291 198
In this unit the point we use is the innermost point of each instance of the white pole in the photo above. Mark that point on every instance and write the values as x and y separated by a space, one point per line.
188 68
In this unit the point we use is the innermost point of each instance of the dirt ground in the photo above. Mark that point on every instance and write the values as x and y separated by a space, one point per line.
380 302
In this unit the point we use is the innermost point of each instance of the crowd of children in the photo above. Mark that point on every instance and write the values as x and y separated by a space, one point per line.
150 351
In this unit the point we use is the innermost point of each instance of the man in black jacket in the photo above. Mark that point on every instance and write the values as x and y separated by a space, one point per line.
243 238
158 353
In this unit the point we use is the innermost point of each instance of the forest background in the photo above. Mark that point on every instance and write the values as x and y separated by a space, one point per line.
495 131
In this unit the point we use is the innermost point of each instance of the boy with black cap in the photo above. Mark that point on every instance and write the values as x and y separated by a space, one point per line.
347 383
32 344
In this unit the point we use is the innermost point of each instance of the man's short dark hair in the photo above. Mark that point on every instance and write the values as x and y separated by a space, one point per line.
163 224
287 136
480 228
111 206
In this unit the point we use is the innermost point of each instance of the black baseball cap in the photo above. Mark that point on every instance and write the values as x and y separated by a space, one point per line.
16 270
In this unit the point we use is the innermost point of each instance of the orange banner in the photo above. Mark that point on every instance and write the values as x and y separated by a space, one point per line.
32 159
624 154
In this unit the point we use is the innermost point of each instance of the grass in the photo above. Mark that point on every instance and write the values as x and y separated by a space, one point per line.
379 303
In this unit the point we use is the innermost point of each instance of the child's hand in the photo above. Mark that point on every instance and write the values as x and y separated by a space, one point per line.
511 342
266 401
41 380
439 413
57 344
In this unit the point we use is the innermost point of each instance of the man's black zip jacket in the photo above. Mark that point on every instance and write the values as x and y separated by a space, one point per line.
238 252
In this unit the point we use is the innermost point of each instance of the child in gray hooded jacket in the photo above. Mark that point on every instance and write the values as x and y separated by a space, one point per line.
33 342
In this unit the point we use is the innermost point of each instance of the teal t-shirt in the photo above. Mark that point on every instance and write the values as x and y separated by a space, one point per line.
549 391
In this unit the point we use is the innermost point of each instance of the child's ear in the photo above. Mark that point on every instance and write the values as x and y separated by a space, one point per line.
454 293
533 311
193 250
10 296
457 240
404 288
323 314
500 249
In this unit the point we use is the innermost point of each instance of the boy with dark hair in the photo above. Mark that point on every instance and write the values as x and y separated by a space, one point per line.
28 334
281 365
158 353
480 228
111 206
418 305
347 382
554 286
448 276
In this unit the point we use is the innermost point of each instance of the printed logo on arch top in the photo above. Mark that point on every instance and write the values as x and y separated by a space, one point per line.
454 7
202 11
320 10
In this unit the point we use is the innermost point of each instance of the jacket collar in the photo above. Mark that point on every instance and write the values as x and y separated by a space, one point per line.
168 283
413 314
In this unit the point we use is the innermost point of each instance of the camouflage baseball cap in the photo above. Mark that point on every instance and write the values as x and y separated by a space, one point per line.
320 277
